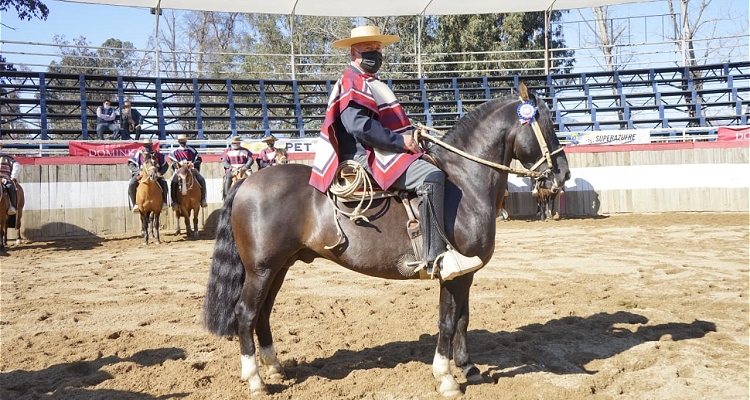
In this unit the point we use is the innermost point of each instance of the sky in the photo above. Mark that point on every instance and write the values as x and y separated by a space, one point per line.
97 23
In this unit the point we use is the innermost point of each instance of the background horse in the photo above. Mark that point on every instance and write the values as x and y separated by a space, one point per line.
545 202
251 258
148 196
282 157
188 198
10 221
238 174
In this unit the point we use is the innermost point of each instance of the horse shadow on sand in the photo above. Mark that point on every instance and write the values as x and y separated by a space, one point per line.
533 348
71 380
60 236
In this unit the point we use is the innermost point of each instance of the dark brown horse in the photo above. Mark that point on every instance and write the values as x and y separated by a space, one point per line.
10 221
148 196
251 258
188 198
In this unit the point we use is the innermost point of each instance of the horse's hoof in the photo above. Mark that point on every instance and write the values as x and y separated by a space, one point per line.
473 375
449 387
259 392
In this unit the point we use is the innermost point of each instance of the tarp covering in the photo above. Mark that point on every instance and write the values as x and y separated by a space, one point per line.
349 8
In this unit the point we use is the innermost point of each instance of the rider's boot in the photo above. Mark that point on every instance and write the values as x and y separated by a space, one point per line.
131 192
202 182
431 208
173 192
13 198
163 184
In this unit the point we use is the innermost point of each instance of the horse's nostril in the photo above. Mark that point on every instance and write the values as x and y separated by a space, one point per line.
567 175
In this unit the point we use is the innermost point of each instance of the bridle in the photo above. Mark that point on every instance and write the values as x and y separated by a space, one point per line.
420 134
184 177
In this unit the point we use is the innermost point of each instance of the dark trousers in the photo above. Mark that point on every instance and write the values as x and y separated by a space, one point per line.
10 187
133 187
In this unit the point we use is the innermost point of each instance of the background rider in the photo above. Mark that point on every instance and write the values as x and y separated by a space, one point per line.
9 170
188 154
135 164
235 158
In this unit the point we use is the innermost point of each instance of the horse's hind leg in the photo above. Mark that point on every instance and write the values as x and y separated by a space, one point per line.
246 310
178 217
155 226
195 223
144 227
267 351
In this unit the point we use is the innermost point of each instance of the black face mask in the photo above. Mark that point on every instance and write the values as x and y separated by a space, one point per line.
371 61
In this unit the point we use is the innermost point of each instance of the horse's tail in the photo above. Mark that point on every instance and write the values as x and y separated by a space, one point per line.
226 278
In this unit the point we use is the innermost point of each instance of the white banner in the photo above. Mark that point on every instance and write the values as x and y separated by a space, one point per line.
630 136
306 145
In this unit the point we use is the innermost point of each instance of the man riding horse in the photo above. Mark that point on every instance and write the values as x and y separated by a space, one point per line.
365 123
135 164
234 159
186 153
9 170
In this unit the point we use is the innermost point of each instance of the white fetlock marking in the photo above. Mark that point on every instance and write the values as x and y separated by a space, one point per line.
250 374
441 370
268 358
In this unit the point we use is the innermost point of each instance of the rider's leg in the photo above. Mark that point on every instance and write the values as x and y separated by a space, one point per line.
164 191
429 182
227 183
431 211
132 187
174 189
13 198
202 182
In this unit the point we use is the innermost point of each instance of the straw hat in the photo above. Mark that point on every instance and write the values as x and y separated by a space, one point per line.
267 139
235 139
147 141
366 33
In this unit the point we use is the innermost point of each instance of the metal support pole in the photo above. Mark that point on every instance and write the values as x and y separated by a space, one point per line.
291 40
157 12
419 45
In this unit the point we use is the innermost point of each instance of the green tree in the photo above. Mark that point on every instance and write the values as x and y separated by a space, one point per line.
26 9
493 44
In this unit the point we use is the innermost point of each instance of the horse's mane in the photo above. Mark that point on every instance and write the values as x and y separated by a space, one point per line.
479 114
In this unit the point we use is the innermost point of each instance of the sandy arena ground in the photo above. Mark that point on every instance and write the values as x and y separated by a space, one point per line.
619 307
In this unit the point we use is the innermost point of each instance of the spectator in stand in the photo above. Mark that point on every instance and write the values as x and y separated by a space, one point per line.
235 159
105 120
131 122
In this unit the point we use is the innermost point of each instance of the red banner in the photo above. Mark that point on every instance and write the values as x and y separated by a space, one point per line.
729 133
87 149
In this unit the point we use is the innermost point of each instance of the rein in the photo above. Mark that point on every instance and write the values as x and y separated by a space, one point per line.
520 172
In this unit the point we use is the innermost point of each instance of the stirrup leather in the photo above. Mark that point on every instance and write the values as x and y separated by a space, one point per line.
454 264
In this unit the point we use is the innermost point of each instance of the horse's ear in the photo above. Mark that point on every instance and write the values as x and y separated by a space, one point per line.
524 91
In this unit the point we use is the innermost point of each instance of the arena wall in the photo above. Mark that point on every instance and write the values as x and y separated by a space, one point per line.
66 197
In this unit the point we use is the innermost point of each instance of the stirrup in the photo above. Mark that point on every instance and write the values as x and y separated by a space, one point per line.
11 210
454 264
